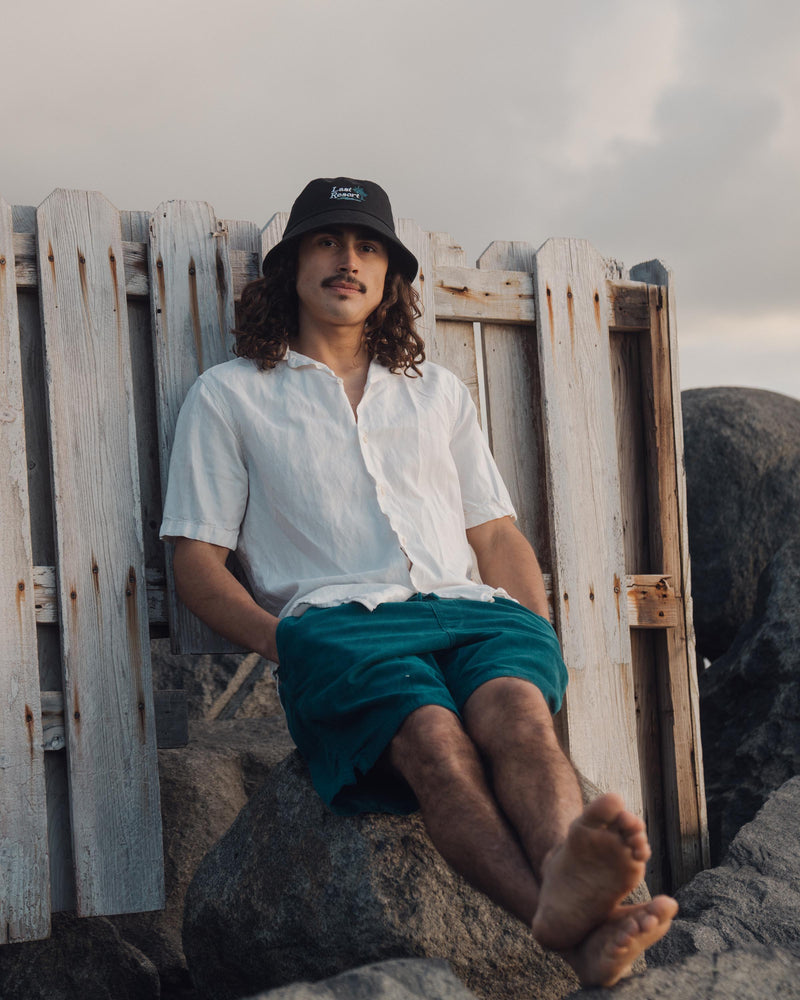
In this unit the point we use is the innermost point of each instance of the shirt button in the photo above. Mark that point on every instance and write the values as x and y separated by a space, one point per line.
364 438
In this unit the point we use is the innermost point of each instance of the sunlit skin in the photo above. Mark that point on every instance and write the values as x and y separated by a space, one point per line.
340 280
341 273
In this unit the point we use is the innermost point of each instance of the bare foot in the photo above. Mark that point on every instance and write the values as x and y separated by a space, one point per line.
585 877
608 953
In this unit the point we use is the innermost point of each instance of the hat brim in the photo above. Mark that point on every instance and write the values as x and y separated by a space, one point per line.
406 261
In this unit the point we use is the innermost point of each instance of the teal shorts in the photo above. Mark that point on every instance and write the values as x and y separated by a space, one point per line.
348 678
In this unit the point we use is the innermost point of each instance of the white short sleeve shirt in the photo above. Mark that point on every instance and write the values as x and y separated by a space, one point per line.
324 509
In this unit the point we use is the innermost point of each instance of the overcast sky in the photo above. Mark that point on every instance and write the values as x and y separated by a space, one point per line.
667 129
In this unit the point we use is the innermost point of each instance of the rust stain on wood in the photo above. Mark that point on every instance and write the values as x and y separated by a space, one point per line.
95 575
571 315
617 591
83 280
112 264
194 307
20 596
52 258
29 725
222 294
162 297
550 318
597 317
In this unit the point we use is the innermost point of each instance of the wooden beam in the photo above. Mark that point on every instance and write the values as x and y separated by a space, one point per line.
172 719
463 294
651 600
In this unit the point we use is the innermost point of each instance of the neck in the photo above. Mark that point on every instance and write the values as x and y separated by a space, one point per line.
342 349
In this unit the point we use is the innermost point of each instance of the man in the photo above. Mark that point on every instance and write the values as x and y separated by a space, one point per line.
353 481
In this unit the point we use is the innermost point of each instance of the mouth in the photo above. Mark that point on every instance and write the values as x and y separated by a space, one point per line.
345 284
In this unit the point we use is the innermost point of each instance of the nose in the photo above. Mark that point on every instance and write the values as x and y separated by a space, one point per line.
348 259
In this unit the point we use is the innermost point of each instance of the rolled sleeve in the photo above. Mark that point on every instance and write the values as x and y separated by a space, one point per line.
484 496
207 489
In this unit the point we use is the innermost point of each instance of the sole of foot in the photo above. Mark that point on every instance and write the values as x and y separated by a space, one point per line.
601 860
609 951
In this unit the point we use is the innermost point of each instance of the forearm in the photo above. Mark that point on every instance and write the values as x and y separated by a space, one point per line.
210 591
507 560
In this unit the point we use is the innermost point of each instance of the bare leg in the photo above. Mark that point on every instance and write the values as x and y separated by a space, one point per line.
586 862
531 777
443 767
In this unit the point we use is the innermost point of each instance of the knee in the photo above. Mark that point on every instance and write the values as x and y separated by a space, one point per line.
432 747
508 712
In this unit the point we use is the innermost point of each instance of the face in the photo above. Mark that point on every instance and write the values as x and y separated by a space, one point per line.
340 276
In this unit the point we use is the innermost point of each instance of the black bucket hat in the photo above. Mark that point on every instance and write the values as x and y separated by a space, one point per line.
344 201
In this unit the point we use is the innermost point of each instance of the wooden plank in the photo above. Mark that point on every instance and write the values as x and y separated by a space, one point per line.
585 518
417 241
171 713
684 794
628 307
37 435
513 402
115 809
631 420
497 296
453 292
192 318
453 343
650 598
272 232
24 870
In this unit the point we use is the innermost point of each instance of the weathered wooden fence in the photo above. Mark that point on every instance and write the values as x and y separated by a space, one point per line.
107 317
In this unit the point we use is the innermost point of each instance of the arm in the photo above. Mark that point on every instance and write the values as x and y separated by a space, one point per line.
209 590
506 559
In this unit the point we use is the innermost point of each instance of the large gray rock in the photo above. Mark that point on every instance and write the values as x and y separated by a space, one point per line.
398 979
751 974
750 704
203 787
293 892
753 898
83 959
743 482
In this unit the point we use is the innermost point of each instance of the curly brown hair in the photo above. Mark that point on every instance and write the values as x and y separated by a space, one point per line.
266 319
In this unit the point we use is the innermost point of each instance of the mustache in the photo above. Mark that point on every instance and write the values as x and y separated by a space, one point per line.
343 279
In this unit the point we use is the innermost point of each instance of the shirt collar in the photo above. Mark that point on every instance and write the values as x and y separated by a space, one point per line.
294 359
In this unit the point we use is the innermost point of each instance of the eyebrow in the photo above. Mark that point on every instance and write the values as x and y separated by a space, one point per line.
362 233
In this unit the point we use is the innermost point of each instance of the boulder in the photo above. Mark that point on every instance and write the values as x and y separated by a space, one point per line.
83 959
742 451
398 979
750 704
203 787
295 893
753 898
748 974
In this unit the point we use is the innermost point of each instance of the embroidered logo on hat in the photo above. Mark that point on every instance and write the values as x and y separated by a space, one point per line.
348 193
